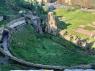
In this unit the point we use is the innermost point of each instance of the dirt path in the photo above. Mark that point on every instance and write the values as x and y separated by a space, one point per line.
86 32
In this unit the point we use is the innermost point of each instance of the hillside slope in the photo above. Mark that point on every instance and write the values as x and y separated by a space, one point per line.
46 49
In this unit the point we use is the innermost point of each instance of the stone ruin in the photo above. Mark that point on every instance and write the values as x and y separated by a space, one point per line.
36 22
1 31
81 42
16 24
76 40
4 39
51 25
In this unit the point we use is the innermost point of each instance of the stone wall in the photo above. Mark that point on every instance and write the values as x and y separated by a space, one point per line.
16 22
35 21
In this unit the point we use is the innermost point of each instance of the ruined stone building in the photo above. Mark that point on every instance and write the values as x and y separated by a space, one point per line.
35 20
51 25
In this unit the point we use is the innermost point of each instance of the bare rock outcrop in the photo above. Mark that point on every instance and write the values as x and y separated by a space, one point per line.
51 25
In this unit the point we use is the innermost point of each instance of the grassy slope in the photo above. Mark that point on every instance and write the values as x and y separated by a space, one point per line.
76 18
41 49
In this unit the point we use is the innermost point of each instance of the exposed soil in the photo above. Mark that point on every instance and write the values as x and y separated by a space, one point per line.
86 32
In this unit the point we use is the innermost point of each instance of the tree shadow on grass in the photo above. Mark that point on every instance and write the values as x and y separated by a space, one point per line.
62 24
90 49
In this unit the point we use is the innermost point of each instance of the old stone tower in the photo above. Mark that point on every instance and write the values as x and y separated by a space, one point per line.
51 25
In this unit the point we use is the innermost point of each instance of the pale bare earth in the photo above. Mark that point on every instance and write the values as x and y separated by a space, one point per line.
86 32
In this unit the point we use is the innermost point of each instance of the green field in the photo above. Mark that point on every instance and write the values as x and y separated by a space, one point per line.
76 18
73 19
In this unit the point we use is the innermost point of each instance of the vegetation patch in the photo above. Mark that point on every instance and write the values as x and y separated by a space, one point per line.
2 23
